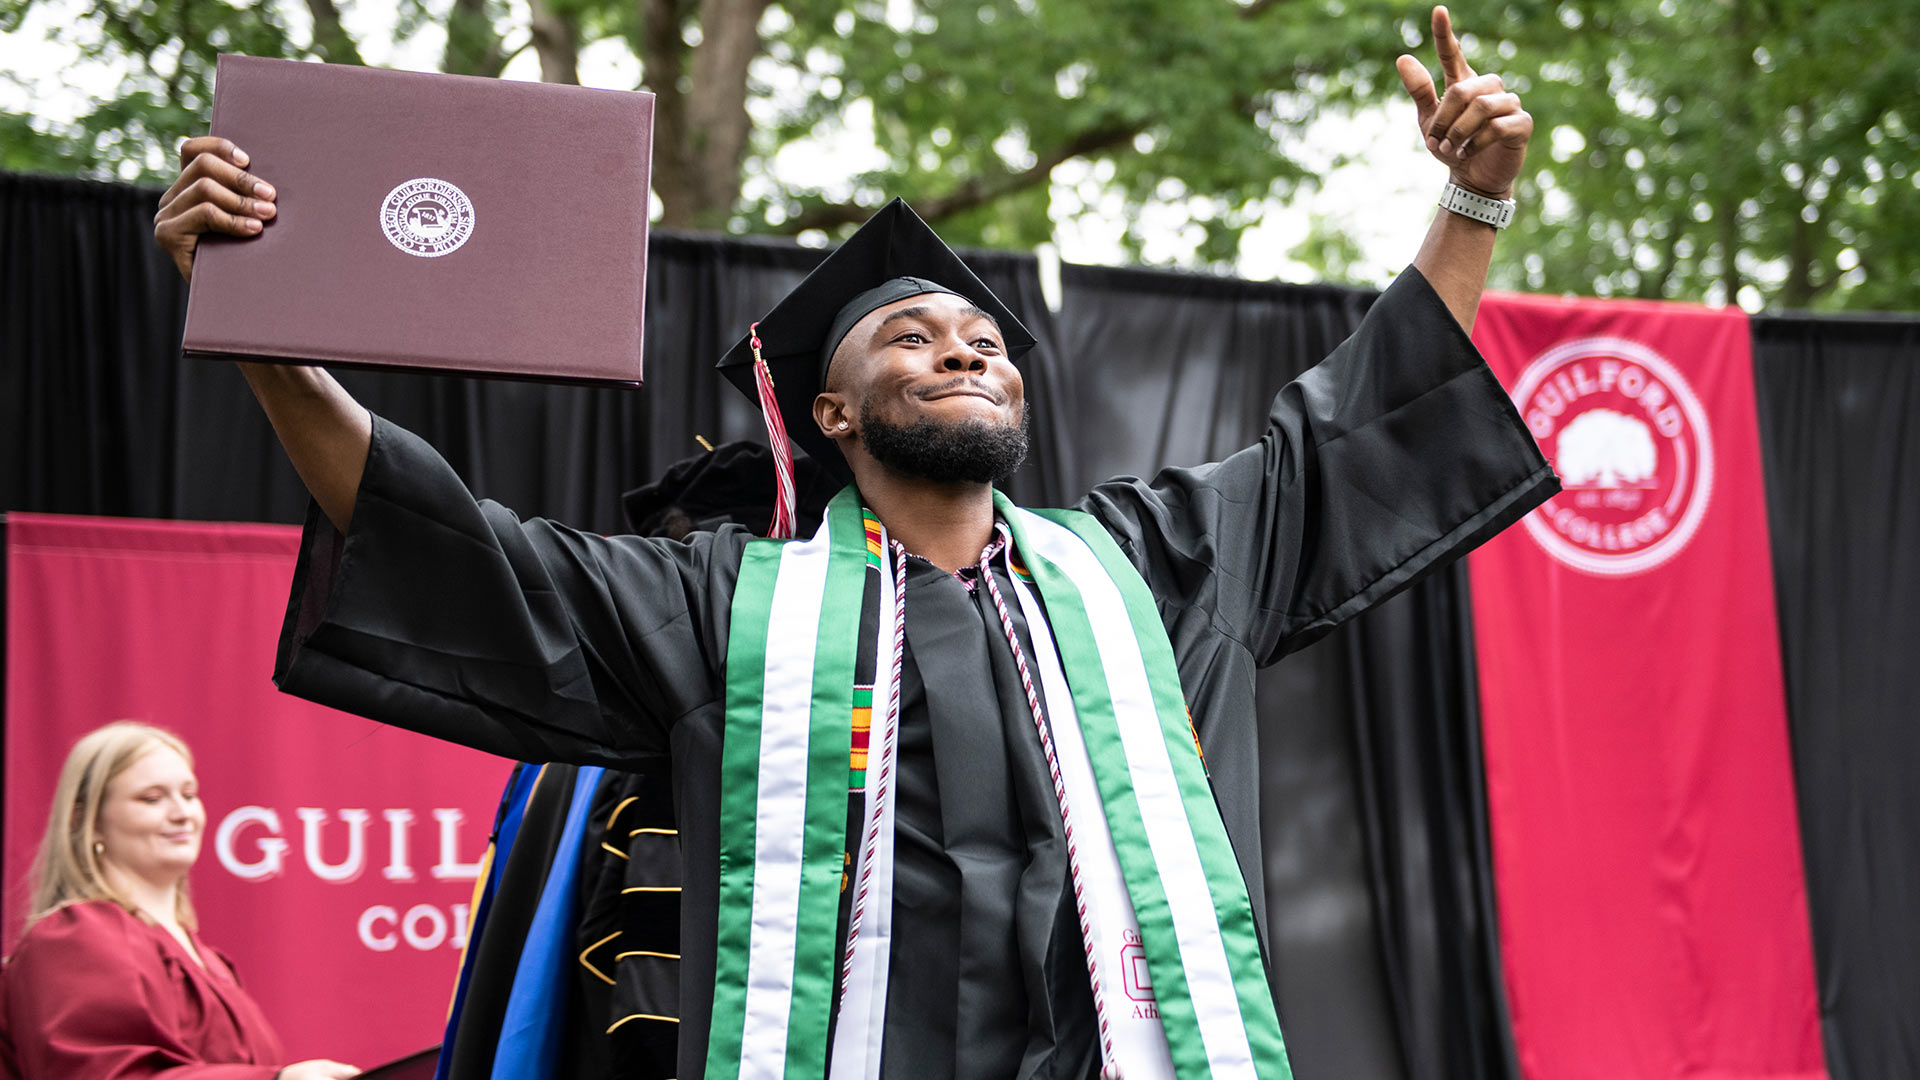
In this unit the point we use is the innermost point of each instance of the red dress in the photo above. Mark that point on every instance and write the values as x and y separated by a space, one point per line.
93 993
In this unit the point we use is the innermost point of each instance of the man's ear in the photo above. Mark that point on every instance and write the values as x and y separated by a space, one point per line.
835 415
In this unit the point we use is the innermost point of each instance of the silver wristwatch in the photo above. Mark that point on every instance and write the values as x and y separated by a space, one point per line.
1495 212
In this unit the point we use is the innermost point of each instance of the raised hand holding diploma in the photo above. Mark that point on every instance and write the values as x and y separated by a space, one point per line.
326 433
213 193
1476 128
401 238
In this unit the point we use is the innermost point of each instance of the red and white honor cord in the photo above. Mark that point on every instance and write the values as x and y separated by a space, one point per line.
889 733
1059 785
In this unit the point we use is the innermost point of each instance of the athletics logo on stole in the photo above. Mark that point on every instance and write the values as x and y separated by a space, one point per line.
1631 444
427 217
1134 977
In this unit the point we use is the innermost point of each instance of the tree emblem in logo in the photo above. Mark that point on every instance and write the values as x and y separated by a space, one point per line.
427 217
1631 444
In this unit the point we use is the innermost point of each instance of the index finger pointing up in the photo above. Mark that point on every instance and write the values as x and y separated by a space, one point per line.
1452 64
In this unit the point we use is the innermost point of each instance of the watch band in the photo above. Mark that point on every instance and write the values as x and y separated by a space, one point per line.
1495 212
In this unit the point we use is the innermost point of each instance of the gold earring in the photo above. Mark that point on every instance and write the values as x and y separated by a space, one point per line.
99 848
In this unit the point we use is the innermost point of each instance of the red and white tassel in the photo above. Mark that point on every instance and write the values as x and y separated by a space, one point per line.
785 501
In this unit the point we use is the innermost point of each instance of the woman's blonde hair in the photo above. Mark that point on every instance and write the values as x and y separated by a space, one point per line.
66 870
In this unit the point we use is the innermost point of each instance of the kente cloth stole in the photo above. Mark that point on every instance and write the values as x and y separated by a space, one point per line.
1171 946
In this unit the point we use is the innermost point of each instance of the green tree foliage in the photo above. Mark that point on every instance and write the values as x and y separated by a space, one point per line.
1760 151
974 101
169 49
1334 256
25 149
1179 101
1755 150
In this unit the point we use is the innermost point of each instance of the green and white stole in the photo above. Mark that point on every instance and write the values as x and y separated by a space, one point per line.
1157 875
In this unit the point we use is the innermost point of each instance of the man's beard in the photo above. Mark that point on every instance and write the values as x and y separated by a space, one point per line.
965 451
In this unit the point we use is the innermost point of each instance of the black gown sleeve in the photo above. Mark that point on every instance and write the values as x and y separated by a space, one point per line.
450 616
1394 455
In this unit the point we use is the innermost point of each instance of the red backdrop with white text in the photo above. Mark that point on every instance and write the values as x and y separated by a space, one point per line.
339 855
1653 913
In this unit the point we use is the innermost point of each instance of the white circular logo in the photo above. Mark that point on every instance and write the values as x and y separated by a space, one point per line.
427 217
1631 444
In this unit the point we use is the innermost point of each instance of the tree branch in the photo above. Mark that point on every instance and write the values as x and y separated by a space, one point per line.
130 35
1797 290
473 45
1258 8
507 55
1727 223
662 64
330 38
556 37
717 119
1654 286
976 190
180 60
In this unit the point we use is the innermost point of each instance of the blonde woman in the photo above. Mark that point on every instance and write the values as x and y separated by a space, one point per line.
111 980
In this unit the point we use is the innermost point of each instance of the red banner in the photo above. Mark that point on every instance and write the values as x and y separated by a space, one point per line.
339 855
1653 914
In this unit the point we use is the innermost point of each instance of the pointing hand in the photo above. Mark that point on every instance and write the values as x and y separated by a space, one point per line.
1477 129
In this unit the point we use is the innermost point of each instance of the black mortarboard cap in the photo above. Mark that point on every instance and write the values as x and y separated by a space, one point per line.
733 482
893 256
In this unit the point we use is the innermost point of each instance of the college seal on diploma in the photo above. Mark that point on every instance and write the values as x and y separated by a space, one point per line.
427 217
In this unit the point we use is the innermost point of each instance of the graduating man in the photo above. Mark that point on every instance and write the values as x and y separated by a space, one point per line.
1043 874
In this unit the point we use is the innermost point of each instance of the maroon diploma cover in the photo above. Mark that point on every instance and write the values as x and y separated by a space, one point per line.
431 223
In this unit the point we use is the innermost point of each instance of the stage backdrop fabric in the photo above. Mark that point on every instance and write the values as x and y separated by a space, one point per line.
1373 850
100 414
1381 946
1840 426
1653 913
1377 887
339 855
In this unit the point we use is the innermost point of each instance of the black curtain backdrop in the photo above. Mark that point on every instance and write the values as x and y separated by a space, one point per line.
1378 878
1377 875
1376 865
102 415
1840 433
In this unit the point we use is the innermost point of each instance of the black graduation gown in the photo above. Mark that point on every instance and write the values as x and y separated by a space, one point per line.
452 617
629 934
